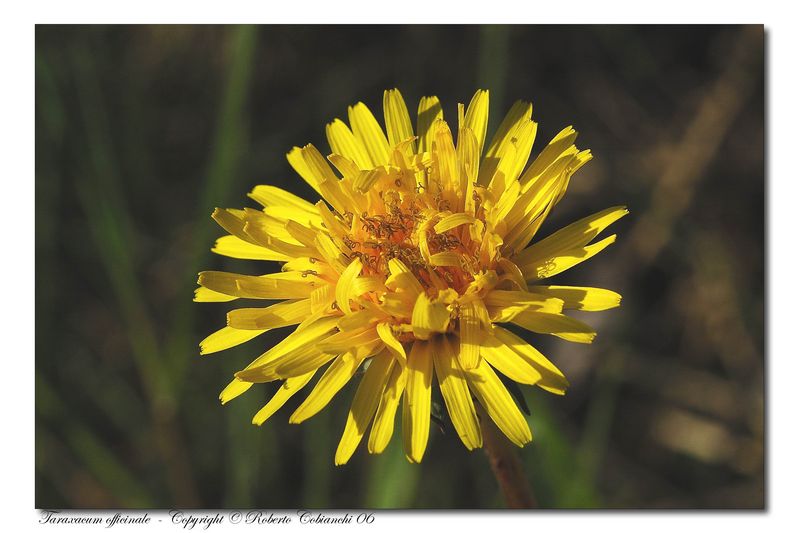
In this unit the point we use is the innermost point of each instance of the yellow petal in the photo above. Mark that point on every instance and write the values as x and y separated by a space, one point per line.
300 233
579 159
450 259
348 169
350 340
232 221
343 142
525 136
471 336
499 404
266 224
395 266
574 236
508 270
359 320
323 298
398 304
552 379
272 225
455 390
582 298
297 161
367 178
365 284
518 114
234 389
561 143
502 147
562 326
453 221
398 121
202 294
327 182
416 401
429 112
444 155
477 118
227 337
533 206
309 332
496 170
364 405
311 266
402 279
533 199
283 213
279 286
546 268
368 131
383 426
267 238
429 317
504 359
232 246
331 252
344 285
506 203
534 299
470 159
334 226
275 316
503 306
288 389
510 157
335 377
295 363
270 196
392 344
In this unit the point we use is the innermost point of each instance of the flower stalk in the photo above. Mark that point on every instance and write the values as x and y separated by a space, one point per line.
506 467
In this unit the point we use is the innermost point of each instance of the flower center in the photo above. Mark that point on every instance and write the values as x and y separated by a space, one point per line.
403 228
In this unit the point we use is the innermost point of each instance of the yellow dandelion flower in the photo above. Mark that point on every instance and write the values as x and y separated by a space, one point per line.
410 267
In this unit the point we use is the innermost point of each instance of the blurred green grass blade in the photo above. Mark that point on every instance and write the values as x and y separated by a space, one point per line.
102 464
50 124
392 481
112 231
318 450
230 140
49 105
243 468
111 228
116 398
47 401
94 455
243 445
596 435
554 469
229 145
269 466
109 235
492 69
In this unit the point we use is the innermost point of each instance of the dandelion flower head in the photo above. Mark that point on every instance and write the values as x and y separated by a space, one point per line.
408 271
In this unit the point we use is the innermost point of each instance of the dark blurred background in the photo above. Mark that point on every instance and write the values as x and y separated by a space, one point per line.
142 130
